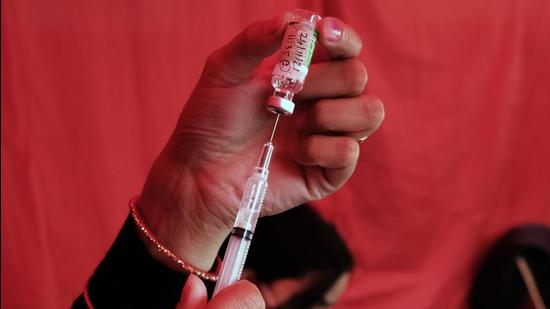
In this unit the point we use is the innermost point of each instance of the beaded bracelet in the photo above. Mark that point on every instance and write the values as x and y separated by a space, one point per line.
210 276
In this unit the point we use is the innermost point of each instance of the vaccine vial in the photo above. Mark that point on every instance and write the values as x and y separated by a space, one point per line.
293 62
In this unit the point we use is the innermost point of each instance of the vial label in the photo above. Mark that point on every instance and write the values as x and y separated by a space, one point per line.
296 51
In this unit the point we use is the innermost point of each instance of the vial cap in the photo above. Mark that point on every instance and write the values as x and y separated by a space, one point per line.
280 105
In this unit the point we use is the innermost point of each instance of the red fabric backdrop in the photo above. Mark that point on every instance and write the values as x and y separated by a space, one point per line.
92 89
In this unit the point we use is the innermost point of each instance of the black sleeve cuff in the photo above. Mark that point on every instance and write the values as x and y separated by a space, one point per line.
128 277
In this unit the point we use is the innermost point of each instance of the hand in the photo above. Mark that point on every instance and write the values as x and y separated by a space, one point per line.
241 295
194 188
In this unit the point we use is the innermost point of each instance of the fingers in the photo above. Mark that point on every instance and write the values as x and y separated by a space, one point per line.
235 62
335 79
331 152
333 157
357 117
333 130
241 295
194 295
337 40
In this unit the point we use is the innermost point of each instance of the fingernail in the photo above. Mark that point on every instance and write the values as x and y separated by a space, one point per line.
332 29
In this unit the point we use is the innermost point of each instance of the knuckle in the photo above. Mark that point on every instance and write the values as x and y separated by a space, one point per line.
255 34
356 76
250 32
216 69
321 116
214 60
310 149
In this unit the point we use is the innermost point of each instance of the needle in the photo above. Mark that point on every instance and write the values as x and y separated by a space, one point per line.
274 128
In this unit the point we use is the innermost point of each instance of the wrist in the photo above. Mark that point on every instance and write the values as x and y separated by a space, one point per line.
176 215
188 236
164 254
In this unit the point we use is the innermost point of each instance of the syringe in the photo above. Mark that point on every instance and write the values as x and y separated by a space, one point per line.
288 79
247 217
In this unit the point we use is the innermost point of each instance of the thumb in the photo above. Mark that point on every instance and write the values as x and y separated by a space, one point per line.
194 295
241 295
237 61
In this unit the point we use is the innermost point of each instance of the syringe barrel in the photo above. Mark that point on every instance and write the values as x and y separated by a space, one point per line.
243 229
237 250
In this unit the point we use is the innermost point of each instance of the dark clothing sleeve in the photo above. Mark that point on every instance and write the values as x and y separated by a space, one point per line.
129 277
